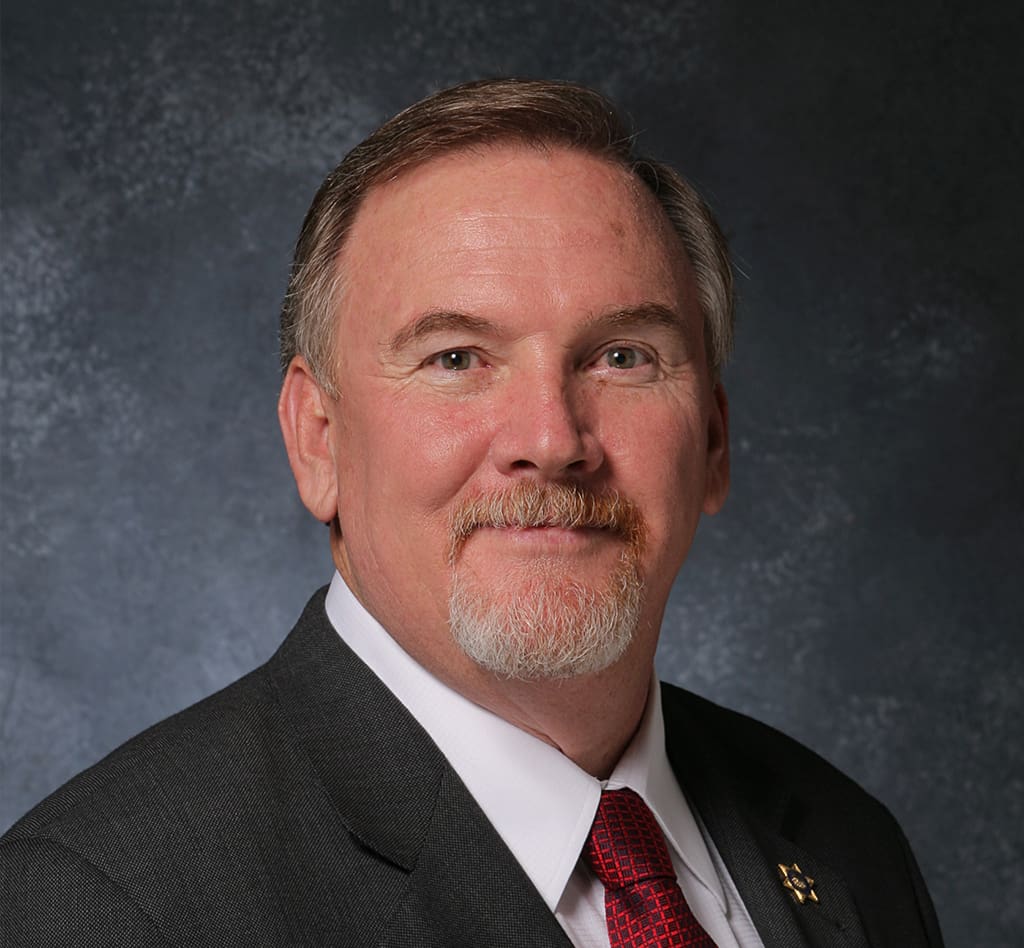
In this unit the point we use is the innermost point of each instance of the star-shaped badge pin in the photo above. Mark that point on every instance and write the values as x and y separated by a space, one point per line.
800 885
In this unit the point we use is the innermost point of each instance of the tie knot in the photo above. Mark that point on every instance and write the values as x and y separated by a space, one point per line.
626 845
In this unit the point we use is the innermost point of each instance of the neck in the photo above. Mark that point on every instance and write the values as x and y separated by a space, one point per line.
591 721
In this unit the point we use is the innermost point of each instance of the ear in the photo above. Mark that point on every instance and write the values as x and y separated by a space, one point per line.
716 485
302 411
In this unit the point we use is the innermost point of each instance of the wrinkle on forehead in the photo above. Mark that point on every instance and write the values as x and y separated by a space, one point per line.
504 212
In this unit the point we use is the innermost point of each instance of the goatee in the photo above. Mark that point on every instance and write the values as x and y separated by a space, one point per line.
538 622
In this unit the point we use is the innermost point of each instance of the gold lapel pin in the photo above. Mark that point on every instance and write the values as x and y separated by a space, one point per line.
800 885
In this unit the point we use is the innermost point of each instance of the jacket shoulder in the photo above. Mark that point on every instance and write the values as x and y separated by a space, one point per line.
788 794
210 827
143 830
166 755
754 752
190 753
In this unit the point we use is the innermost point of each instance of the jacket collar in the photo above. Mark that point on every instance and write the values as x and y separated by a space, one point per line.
398 796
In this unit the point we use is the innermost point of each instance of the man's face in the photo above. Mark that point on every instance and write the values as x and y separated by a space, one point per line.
515 322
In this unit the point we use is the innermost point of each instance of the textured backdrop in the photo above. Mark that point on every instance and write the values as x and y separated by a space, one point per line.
863 588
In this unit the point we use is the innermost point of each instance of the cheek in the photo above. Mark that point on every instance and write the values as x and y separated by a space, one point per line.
653 440
415 457
658 461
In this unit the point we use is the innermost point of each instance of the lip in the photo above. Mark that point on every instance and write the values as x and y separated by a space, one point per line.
546 537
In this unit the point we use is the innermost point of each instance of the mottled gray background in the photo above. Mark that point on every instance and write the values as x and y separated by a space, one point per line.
862 589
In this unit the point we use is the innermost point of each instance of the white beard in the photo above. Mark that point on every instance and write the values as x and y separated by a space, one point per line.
540 624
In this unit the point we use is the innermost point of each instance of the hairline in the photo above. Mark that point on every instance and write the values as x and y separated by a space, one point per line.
647 204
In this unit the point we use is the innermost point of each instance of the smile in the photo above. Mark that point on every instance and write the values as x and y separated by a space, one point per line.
557 537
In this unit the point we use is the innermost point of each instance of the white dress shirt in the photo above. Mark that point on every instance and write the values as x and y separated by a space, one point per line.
541 804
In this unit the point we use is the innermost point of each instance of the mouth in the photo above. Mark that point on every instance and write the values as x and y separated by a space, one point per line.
547 533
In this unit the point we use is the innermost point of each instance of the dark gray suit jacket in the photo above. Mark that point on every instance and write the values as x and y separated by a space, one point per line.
303 805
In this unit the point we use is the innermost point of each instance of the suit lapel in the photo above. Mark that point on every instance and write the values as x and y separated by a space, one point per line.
397 795
755 825
466 888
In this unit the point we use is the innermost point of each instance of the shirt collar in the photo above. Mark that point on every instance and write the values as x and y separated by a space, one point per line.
541 804
644 768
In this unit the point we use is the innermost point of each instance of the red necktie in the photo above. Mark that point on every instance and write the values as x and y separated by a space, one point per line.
643 904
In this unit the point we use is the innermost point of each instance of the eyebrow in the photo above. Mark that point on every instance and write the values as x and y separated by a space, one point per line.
439 321
643 314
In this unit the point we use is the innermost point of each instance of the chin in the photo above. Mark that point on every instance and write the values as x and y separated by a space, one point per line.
546 625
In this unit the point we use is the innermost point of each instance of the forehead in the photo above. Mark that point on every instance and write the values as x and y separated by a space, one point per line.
493 216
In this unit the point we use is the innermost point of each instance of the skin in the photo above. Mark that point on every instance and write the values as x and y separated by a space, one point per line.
511 313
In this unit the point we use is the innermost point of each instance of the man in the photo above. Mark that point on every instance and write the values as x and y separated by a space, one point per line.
501 342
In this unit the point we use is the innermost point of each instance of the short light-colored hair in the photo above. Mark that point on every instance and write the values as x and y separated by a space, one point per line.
539 113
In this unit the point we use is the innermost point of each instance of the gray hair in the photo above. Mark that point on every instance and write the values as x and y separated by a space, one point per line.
491 111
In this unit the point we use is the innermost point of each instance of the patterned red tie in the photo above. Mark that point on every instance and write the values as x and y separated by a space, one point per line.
643 904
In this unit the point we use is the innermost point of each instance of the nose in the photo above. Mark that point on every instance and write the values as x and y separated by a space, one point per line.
545 432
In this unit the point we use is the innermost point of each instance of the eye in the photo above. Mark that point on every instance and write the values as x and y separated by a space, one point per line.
625 357
455 360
